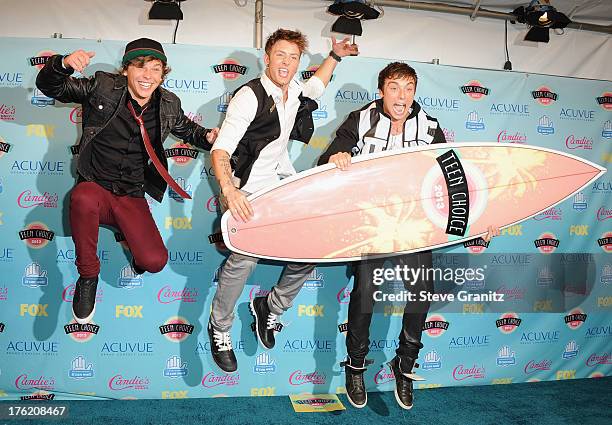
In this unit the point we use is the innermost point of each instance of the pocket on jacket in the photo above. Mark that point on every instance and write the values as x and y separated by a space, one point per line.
100 110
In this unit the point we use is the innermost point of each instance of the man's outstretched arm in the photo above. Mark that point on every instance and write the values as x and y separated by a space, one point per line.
55 79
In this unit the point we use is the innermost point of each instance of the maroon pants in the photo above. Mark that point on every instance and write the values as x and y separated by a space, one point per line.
92 205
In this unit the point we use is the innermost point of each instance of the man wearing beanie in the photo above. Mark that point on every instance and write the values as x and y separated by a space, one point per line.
126 118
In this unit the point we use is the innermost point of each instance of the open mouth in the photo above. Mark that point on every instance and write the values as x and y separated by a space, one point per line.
399 108
145 85
283 72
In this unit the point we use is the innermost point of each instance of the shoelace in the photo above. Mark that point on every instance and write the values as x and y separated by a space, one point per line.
86 292
271 324
405 386
222 340
357 381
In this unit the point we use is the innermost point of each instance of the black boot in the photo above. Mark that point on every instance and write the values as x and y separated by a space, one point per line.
221 349
355 387
84 300
265 321
403 384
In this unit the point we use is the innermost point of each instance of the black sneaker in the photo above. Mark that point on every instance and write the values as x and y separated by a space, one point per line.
355 387
135 268
84 300
221 349
403 384
265 321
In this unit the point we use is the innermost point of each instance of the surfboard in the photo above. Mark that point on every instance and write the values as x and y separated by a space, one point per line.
405 201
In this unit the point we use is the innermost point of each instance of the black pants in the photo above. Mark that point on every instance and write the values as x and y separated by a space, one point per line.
361 306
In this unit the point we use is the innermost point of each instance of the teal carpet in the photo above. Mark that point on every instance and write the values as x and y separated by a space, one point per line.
576 402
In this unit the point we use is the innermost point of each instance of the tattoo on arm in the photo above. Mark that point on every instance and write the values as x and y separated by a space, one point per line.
226 177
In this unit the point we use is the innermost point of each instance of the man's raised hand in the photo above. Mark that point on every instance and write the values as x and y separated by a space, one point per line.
344 48
78 60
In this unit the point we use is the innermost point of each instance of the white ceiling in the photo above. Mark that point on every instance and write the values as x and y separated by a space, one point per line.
591 11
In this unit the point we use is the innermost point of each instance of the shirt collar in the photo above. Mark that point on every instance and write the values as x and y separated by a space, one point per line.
153 101
275 91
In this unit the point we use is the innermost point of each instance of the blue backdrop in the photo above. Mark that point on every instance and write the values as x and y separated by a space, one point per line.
554 324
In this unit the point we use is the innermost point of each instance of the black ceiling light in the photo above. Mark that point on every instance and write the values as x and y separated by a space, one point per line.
351 13
166 9
541 17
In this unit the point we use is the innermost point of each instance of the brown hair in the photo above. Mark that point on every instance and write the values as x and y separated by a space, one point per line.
141 60
396 70
295 37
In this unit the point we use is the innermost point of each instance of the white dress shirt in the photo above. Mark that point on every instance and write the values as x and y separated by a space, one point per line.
273 162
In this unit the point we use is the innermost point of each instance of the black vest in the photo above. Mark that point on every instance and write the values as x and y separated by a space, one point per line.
265 128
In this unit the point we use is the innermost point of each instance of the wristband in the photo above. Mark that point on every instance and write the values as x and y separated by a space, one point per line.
335 56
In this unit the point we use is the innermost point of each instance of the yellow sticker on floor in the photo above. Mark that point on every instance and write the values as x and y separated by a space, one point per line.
315 402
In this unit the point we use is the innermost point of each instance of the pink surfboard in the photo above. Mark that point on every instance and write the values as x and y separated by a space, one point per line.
405 201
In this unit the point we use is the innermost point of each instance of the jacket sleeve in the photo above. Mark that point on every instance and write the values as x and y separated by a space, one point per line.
439 135
346 138
56 81
190 132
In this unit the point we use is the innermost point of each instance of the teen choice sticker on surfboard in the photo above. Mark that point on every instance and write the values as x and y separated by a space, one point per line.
441 203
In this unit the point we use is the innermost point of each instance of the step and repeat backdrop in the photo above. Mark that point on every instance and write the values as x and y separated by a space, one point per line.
148 338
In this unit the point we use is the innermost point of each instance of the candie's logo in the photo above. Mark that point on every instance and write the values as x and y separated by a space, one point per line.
167 295
211 380
119 383
27 199
300 378
573 142
604 213
449 134
76 115
554 214
384 375
7 112
511 137
533 366
343 295
23 382
461 373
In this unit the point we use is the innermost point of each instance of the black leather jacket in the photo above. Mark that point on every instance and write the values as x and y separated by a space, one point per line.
100 97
